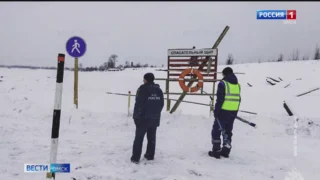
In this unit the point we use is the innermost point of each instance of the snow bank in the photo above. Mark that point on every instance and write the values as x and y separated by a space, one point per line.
97 138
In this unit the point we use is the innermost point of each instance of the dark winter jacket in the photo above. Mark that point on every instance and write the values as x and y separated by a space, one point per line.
218 112
148 106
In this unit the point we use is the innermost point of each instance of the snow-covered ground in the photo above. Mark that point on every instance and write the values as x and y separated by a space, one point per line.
97 138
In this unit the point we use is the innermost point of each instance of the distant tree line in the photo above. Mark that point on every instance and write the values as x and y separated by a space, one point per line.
295 56
110 64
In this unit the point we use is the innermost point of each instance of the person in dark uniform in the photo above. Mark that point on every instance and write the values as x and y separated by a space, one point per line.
225 112
147 112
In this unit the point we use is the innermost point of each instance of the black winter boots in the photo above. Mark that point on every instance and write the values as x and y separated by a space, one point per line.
225 152
216 153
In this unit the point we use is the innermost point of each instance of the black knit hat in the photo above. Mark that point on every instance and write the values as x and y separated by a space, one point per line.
149 77
226 71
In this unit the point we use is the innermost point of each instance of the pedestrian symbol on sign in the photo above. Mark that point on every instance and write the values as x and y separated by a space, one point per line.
76 47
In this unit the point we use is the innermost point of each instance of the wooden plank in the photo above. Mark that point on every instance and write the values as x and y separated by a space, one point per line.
167 89
184 65
181 65
204 75
191 94
216 44
180 70
215 77
186 60
177 79
316 89
121 94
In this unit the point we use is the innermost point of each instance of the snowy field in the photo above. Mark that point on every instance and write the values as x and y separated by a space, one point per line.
97 138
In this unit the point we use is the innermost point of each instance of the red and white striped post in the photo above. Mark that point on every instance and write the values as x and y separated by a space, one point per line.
56 114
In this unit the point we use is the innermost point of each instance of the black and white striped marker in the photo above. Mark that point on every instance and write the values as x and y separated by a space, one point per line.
56 113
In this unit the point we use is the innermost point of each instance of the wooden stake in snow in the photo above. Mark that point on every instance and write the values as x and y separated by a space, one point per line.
129 98
308 92
249 84
287 85
286 107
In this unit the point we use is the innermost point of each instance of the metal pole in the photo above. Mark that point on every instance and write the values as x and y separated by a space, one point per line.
191 102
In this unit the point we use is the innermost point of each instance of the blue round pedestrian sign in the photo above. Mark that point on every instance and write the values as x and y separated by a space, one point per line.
76 46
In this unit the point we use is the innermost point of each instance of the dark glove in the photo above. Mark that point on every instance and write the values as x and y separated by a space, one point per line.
137 122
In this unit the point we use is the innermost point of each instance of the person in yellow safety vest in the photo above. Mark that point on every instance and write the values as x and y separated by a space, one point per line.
225 112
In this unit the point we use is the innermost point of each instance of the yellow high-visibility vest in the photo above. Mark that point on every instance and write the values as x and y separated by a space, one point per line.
232 97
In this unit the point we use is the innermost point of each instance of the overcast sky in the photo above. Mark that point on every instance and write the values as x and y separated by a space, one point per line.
33 33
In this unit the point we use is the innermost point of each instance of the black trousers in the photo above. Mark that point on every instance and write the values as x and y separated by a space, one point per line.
138 141
224 127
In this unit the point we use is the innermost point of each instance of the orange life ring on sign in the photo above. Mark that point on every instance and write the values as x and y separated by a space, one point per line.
192 71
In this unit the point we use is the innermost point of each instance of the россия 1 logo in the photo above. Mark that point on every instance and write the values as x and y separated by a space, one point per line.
288 16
